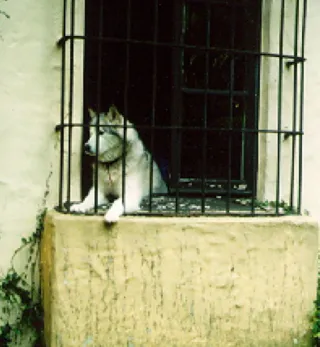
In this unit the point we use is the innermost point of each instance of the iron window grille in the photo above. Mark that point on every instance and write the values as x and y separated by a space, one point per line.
187 74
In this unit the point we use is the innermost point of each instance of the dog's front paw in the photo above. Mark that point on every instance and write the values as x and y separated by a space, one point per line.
114 212
112 216
79 208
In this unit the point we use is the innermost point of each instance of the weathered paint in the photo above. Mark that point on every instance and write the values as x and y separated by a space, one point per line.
178 281
30 70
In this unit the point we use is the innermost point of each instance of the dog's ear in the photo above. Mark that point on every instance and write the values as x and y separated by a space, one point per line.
113 111
91 113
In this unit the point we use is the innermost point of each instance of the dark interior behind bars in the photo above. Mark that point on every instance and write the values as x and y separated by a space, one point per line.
187 74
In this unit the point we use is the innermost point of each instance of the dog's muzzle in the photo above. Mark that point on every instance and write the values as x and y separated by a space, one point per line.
110 148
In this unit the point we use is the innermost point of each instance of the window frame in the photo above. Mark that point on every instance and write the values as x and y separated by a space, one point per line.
72 41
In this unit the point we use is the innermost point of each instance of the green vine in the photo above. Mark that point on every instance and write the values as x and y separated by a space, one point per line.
316 315
20 297
20 294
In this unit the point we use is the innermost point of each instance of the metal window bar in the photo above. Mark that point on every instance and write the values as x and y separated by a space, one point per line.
285 132
62 98
255 135
125 95
154 96
231 98
178 50
303 34
97 125
294 106
180 46
257 60
205 112
71 80
280 83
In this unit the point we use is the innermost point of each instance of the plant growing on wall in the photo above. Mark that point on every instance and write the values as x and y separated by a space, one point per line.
21 314
20 296
316 317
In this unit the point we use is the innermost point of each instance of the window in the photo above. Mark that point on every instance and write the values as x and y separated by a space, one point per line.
187 73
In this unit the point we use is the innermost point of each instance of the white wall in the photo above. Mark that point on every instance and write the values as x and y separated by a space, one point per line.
29 110
311 186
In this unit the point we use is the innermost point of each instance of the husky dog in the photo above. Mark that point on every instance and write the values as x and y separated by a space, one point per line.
110 153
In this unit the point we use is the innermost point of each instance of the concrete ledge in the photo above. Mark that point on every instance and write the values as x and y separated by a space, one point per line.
178 281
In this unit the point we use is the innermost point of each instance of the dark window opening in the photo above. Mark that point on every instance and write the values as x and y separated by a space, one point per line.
196 88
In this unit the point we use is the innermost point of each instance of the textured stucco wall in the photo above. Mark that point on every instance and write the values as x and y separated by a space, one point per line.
311 167
30 90
178 281
29 111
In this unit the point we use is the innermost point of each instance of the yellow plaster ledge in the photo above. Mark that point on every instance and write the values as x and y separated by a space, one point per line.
167 282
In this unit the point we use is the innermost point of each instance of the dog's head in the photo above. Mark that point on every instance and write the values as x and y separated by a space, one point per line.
105 130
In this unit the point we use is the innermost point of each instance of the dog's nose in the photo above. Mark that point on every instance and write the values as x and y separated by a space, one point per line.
86 147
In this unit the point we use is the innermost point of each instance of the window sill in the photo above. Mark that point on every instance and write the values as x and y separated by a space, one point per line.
174 281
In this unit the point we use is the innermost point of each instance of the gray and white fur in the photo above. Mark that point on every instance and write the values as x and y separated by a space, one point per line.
110 162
